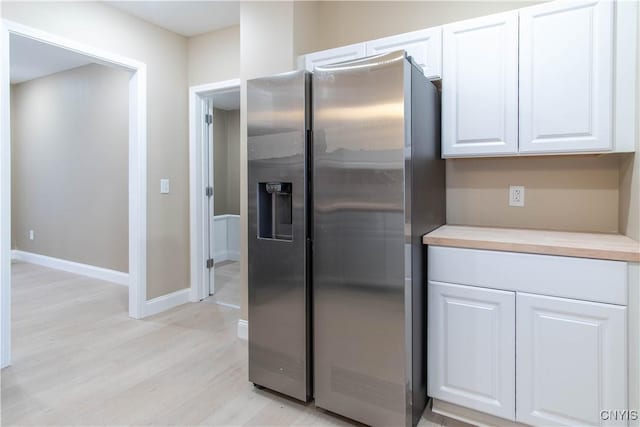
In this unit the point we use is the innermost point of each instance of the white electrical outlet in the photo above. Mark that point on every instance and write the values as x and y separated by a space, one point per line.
32 235
516 195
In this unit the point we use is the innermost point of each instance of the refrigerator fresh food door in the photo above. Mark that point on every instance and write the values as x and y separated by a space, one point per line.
361 359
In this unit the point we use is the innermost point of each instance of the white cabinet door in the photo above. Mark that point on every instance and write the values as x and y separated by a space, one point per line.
471 348
571 361
566 77
332 56
480 86
424 46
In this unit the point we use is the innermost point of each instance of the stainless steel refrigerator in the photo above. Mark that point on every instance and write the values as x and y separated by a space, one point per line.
345 177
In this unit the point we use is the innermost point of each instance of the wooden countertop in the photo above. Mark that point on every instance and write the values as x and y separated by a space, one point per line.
583 245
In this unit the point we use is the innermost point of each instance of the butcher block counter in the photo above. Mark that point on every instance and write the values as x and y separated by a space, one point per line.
614 247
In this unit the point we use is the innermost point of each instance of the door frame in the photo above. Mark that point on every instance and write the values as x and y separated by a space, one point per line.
137 169
198 180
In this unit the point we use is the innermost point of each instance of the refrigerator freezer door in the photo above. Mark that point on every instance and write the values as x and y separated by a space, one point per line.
279 335
361 359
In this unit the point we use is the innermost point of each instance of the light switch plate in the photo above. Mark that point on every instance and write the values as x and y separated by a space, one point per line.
516 195
164 186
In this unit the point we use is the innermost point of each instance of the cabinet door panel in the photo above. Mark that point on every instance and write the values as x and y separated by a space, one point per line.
332 56
471 347
566 77
571 360
424 46
480 86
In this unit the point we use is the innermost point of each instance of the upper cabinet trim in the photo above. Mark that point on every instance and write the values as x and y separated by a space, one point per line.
424 46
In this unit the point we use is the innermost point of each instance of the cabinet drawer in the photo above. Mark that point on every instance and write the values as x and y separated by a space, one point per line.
576 278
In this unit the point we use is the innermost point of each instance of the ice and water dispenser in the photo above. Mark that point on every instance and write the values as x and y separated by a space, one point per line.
274 211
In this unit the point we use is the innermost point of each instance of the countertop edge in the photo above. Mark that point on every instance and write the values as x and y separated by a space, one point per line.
534 248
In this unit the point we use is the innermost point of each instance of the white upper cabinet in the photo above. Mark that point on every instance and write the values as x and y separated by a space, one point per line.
332 56
471 342
556 78
424 46
571 361
566 77
480 86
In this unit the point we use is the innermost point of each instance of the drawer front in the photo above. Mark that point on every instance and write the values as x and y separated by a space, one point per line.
577 278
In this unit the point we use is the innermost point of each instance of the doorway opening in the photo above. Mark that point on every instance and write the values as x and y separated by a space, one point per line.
215 192
56 55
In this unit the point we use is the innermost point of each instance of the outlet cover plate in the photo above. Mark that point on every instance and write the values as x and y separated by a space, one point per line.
516 195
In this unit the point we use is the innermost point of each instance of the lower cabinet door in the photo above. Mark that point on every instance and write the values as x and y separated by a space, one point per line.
571 362
471 348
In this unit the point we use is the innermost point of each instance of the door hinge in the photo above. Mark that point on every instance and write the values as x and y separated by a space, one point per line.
208 118
208 191
210 263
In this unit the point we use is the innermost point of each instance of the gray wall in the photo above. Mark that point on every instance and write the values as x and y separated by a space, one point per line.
70 159
226 159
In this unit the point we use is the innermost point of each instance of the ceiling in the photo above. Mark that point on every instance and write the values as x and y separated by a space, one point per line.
227 100
31 59
188 18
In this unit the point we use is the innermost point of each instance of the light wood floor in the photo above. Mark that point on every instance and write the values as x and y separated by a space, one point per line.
227 283
78 359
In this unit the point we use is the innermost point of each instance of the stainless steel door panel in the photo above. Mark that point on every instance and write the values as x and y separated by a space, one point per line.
359 240
278 299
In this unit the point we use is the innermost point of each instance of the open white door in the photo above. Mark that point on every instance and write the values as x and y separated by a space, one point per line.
202 128
210 229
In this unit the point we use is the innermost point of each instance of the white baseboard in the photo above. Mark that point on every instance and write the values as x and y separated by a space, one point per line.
470 416
72 267
226 304
165 302
243 329
226 256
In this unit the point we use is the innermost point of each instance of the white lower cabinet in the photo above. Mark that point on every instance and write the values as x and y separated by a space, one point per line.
571 361
471 337
538 340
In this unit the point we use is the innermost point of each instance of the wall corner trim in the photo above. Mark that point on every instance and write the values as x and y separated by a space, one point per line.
100 273
243 329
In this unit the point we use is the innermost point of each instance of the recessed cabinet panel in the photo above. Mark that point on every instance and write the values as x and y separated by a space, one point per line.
471 341
480 86
425 47
571 361
566 77
333 56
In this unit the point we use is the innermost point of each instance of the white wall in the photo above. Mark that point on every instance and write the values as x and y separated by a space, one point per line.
226 238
